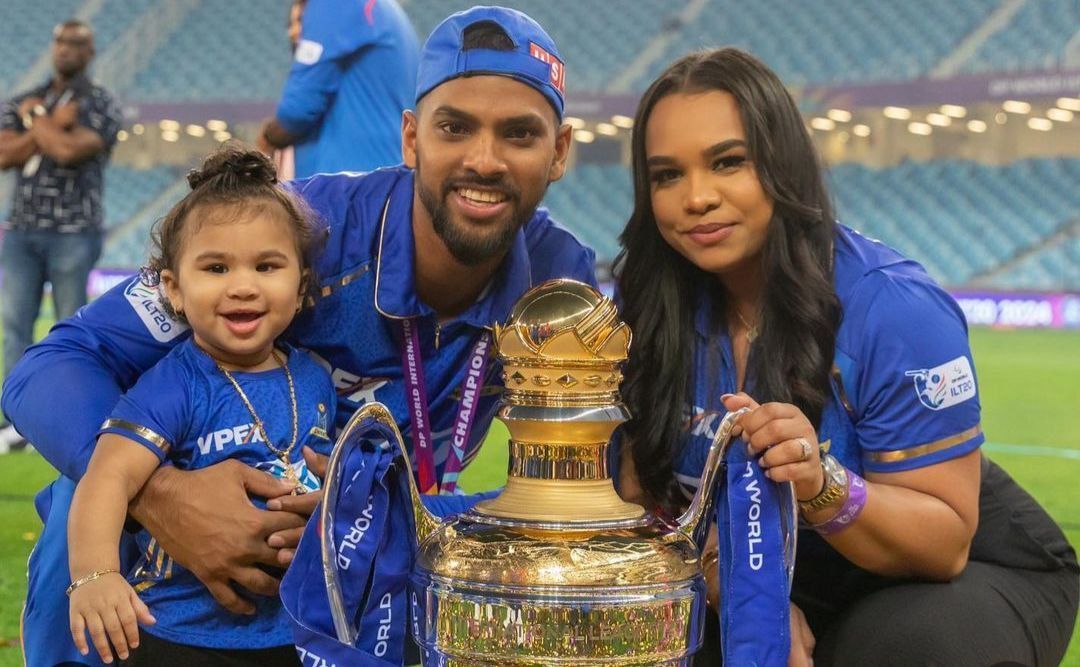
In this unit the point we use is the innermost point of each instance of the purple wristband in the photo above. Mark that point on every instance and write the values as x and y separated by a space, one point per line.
850 510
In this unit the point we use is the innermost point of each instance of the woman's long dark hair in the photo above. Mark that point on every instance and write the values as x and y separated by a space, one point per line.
791 358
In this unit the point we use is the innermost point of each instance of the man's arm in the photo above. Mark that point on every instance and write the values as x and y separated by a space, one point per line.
66 147
15 148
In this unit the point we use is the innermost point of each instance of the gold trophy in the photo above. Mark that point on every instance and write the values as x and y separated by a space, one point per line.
557 569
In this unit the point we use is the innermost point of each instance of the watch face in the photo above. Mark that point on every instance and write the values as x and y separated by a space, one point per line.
836 474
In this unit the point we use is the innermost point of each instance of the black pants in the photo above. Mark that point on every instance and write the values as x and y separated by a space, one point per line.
1014 604
156 652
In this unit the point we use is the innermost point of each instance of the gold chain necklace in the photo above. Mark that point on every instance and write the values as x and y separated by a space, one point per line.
751 331
282 454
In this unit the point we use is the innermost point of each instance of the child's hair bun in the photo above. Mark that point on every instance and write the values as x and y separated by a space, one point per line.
234 166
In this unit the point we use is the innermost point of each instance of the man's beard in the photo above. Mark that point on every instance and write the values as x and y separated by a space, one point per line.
469 248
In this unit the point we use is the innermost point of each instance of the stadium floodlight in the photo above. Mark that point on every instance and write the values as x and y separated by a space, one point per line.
953 110
217 125
1016 106
122 135
222 136
196 130
922 129
820 123
897 113
584 136
976 126
625 122
861 130
1040 124
839 115
938 119
1001 118
574 122
1069 103
170 135
606 129
138 128
1060 115
169 126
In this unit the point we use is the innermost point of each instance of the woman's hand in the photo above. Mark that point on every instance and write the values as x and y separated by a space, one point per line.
110 610
802 640
785 440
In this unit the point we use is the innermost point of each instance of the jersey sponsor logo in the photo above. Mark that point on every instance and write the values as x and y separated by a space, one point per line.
241 434
145 301
308 52
946 385
556 68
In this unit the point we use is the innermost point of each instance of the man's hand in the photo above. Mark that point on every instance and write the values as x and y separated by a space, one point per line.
205 520
28 104
262 143
66 116
285 541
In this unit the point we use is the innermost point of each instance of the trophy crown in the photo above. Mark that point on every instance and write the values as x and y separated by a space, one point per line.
562 344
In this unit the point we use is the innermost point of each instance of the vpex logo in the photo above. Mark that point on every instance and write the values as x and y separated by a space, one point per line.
945 385
145 301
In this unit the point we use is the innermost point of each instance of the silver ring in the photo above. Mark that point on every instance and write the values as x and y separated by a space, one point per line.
807 448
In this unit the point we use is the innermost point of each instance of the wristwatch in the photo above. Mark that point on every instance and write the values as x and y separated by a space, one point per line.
835 489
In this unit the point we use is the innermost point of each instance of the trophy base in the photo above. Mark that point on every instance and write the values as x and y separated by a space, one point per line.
460 624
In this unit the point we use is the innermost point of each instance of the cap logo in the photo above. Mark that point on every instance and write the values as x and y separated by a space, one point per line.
557 71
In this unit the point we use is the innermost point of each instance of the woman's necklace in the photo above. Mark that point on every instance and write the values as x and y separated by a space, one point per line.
282 454
751 331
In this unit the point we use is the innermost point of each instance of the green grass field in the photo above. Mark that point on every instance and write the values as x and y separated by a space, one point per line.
1029 381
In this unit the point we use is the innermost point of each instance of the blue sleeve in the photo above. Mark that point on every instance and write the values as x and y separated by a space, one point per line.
82 367
555 253
916 399
332 33
99 113
156 412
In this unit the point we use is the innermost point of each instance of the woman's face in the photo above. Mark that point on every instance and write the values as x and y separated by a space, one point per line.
708 202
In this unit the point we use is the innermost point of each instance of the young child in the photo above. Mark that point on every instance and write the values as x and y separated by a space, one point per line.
233 261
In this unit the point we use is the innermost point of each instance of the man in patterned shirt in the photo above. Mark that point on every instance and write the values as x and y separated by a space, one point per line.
57 138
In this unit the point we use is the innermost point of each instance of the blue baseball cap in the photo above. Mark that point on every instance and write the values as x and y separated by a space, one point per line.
534 60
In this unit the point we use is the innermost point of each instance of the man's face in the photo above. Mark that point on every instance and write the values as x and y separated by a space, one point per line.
485 149
72 49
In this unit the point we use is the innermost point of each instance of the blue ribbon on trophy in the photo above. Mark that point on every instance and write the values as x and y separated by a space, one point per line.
756 523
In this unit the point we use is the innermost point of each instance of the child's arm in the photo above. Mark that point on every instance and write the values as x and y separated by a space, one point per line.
102 602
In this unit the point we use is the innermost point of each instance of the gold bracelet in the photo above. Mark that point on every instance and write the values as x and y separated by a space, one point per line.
88 578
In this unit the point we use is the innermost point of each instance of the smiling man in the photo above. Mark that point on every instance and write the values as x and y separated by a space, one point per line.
420 261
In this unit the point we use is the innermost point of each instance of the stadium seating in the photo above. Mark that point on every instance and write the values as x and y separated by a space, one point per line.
127 193
836 41
1035 38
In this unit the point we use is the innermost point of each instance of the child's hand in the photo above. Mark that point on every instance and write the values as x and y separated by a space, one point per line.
110 610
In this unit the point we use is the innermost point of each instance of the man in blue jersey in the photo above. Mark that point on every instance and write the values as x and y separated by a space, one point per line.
353 73
420 260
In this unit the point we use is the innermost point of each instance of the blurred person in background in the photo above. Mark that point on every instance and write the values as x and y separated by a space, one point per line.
743 291
353 73
57 139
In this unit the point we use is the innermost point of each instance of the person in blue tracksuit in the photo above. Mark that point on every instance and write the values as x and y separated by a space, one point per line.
234 259
743 291
441 246
353 74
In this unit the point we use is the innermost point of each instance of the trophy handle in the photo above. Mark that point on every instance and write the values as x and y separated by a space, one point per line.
372 419
690 523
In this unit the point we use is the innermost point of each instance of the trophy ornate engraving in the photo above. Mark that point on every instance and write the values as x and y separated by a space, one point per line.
557 569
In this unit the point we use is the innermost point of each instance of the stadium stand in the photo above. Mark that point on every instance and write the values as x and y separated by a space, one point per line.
1035 39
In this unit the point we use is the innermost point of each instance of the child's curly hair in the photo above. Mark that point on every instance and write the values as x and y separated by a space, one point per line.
233 176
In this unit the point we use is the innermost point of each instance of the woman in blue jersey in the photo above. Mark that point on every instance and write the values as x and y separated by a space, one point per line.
742 291
233 258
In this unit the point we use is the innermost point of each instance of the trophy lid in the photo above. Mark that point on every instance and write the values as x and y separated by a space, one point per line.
562 345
